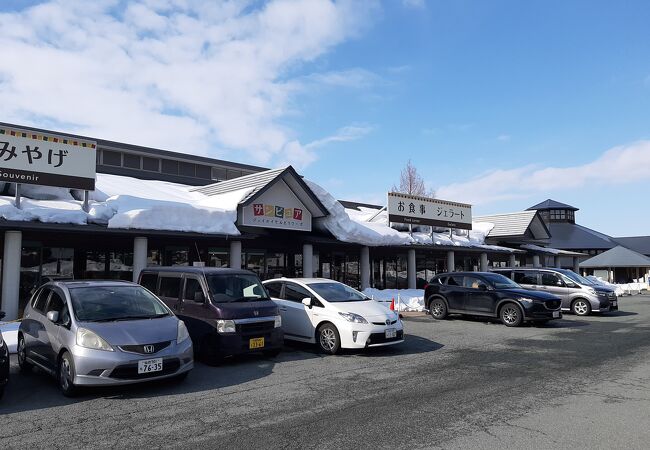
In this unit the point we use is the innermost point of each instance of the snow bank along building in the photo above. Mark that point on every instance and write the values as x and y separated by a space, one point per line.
129 207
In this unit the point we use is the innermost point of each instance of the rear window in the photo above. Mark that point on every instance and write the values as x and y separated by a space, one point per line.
526 277
150 281
170 287
455 280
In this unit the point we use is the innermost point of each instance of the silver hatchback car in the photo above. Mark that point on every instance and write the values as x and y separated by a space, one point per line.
98 333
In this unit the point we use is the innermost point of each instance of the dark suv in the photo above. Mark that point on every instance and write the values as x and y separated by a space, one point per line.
488 294
227 311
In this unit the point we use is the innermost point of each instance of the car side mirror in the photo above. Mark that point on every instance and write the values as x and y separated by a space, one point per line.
53 316
307 302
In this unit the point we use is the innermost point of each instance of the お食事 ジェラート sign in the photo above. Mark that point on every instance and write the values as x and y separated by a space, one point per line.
411 209
31 157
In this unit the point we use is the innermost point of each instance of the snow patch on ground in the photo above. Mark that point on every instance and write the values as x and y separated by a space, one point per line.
10 334
405 299
621 289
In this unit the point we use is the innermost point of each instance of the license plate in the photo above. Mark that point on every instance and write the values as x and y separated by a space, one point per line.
614 303
256 343
150 365
391 333
556 313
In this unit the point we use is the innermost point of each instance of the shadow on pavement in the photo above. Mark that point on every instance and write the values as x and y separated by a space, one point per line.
619 314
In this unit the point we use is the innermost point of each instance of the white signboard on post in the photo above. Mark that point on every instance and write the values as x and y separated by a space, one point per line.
279 208
33 157
411 209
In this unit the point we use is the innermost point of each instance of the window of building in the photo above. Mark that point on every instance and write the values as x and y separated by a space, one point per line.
218 257
132 161
177 256
95 264
219 173
233 174
151 164
186 169
203 171
111 158
170 167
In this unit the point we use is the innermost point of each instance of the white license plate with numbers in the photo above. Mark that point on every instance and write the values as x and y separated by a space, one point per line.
556 314
150 365
391 333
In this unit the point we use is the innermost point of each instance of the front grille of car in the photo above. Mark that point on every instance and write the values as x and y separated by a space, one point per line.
384 323
380 338
140 349
553 304
130 371
255 328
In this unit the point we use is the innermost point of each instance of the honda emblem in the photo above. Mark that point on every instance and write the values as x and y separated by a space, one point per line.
256 313
149 349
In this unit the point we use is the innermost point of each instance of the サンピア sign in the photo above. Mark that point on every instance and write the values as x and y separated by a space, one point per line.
278 207
403 208
32 157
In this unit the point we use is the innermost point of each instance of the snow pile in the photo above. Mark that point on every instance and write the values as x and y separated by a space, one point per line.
620 289
10 334
405 299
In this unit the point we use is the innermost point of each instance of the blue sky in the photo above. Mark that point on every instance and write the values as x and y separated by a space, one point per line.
502 103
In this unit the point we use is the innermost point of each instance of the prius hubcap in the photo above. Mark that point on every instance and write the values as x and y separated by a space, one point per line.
327 339
510 315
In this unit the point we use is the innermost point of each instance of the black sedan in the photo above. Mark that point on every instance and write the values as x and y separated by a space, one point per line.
4 361
491 295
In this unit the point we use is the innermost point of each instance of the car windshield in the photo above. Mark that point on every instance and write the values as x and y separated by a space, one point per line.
337 292
112 303
500 281
577 278
230 288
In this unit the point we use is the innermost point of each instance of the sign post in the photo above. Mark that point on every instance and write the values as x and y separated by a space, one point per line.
33 157
414 210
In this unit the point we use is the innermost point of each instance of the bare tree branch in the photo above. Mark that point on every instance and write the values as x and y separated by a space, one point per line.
410 182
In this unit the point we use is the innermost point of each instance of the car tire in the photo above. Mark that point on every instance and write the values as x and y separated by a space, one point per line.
328 339
438 309
581 307
25 367
65 375
511 315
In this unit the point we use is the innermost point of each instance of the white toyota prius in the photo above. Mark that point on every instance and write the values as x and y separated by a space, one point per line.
332 315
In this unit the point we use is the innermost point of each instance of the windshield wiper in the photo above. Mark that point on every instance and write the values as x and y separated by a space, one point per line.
246 299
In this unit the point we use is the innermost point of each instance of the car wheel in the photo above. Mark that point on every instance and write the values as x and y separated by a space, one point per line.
438 308
511 315
66 375
328 338
581 307
25 367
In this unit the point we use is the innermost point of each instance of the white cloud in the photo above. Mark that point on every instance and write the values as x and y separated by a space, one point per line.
353 78
186 75
415 4
345 134
619 165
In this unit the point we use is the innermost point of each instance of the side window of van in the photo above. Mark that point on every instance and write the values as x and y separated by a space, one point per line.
526 278
170 287
150 281
551 279
193 291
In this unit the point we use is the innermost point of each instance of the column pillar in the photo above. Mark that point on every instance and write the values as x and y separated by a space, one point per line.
512 260
11 273
536 262
451 264
483 266
307 261
410 269
554 261
235 255
576 264
364 267
140 252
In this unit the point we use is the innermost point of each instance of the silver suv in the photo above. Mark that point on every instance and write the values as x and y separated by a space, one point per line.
579 295
98 333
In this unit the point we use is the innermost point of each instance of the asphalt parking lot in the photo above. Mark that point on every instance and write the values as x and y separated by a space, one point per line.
459 383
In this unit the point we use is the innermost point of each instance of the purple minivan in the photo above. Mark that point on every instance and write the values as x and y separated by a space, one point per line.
227 311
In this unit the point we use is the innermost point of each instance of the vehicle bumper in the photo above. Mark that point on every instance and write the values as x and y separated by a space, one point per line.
102 368
540 312
239 343
369 335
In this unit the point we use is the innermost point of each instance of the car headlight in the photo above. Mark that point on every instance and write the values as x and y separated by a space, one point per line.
90 339
352 317
225 326
526 300
182 334
278 322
